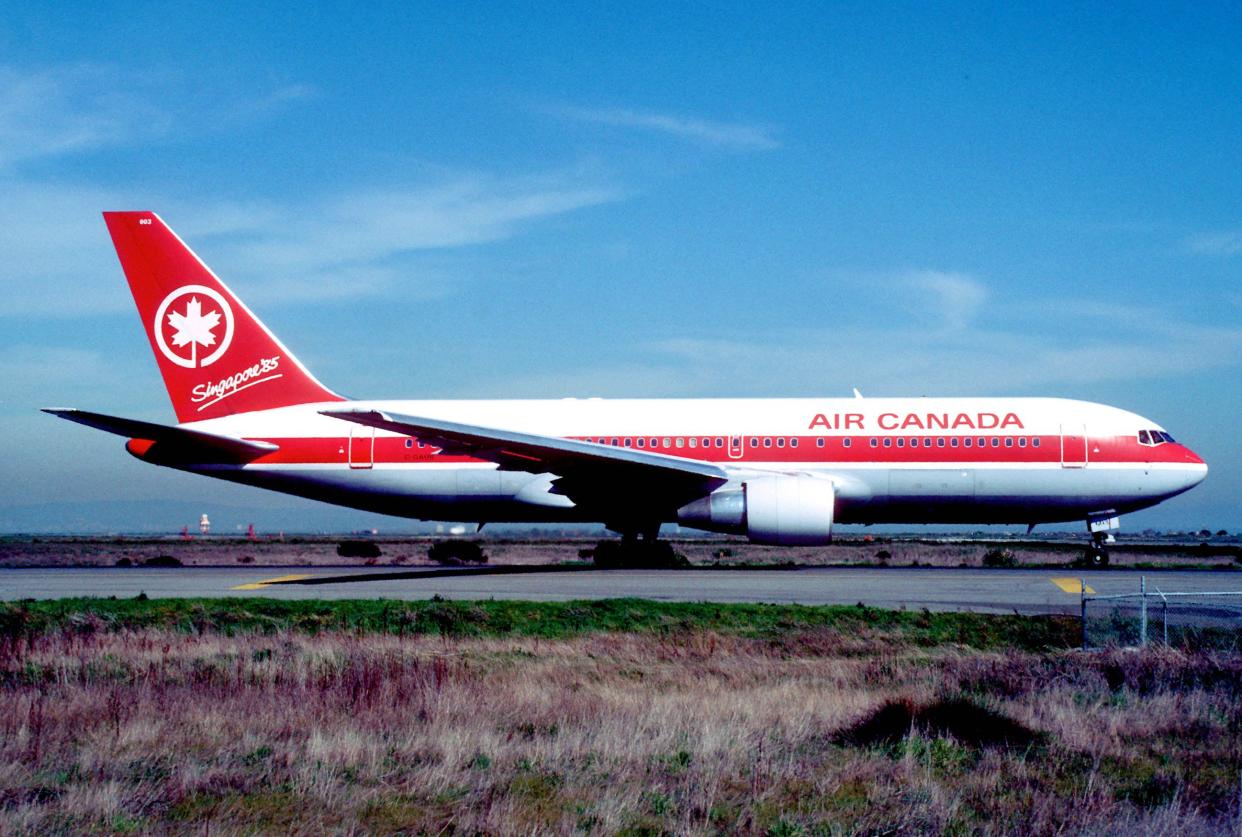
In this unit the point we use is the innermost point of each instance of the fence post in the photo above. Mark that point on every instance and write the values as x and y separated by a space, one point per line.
1083 599
1143 613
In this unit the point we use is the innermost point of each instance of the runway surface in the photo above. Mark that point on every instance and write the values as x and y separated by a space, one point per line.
1022 591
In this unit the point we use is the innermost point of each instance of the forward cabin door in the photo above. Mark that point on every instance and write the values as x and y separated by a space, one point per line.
735 447
361 446
1073 446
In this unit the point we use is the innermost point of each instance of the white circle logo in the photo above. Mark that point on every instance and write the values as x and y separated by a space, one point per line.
187 325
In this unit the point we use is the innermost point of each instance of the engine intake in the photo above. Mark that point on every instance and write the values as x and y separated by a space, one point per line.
776 510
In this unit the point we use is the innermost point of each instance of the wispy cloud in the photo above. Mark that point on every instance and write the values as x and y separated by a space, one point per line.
73 108
737 136
954 298
68 109
899 354
59 259
1221 243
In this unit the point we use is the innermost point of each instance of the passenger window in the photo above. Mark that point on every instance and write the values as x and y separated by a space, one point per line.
409 443
668 441
793 443
901 441
846 442
968 441
927 443
819 443
914 443
642 443
888 441
1022 442
953 442
939 441
754 443
681 443
995 442
1008 441
694 443
874 441
1035 442
780 442
615 441
720 442
627 442
767 441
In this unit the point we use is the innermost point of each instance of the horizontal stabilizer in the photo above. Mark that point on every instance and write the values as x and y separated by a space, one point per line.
180 440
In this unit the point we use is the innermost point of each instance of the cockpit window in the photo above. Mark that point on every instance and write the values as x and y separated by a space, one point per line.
1153 437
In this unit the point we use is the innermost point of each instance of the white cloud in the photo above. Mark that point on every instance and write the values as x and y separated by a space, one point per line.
900 356
74 108
69 109
738 136
954 298
59 260
1223 243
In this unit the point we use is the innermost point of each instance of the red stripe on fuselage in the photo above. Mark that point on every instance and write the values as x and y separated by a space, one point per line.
843 450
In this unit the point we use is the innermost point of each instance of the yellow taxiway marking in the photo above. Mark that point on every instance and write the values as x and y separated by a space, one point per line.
1071 585
259 585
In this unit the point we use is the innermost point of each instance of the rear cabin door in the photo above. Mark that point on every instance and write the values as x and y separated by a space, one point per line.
361 446
735 447
1073 446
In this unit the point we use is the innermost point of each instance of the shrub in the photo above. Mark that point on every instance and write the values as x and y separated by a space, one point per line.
358 549
658 555
998 557
455 553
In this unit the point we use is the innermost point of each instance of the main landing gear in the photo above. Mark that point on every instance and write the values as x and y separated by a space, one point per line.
632 553
1101 526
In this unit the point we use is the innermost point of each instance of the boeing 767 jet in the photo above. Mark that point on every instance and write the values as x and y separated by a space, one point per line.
776 470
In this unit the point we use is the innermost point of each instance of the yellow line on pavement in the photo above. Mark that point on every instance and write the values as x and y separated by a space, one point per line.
1071 585
259 585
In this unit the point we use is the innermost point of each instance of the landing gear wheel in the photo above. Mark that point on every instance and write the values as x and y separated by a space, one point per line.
1097 556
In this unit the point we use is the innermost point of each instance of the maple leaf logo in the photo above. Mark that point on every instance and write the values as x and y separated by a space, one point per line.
192 327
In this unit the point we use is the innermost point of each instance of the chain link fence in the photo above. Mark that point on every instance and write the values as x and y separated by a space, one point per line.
1180 619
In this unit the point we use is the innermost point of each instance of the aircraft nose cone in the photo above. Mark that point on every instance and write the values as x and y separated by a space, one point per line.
1195 469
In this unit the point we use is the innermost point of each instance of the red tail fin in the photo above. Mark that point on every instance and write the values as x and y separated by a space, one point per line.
216 357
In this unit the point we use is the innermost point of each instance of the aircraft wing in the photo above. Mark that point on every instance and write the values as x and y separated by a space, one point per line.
175 442
589 473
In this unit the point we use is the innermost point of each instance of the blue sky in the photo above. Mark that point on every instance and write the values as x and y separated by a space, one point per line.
632 200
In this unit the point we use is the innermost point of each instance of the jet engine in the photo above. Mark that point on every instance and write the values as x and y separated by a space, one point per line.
778 510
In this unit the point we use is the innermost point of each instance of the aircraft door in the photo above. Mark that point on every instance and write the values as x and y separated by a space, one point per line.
735 447
361 446
1073 446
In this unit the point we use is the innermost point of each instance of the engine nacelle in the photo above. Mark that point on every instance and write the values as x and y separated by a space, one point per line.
777 510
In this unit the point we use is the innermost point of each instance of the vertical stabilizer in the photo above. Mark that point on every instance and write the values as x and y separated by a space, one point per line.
216 357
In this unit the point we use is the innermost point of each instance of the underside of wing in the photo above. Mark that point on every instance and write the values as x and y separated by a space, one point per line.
588 473
172 444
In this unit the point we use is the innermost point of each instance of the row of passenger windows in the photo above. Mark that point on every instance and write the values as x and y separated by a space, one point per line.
782 441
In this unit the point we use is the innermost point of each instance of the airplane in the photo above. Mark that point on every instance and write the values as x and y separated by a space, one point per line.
781 471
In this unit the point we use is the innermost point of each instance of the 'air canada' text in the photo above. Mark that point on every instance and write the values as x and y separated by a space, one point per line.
918 421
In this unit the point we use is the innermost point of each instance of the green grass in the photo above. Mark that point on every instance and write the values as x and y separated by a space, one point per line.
551 620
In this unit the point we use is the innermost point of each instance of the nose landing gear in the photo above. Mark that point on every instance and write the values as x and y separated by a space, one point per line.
1101 525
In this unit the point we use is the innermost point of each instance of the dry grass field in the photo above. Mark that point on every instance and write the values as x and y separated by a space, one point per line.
738 720
904 551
